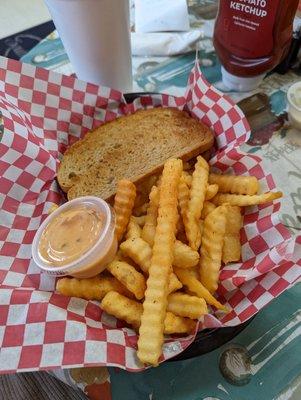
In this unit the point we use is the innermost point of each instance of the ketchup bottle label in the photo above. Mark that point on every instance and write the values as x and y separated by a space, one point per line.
243 21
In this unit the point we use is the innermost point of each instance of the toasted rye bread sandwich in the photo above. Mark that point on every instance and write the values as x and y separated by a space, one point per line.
130 147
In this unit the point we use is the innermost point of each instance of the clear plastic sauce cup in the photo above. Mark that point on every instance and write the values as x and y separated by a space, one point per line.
76 239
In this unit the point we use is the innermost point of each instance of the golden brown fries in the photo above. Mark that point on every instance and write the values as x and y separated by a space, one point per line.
184 256
143 190
235 184
175 324
123 205
90 289
184 305
123 308
121 257
130 311
175 216
188 278
212 246
232 246
139 220
201 226
187 178
133 229
245 200
149 228
173 283
183 197
207 209
144 186
211 191
196 202
139 251
154 306
140 211
133 280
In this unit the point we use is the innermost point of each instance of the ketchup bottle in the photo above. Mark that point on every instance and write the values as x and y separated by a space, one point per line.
251 37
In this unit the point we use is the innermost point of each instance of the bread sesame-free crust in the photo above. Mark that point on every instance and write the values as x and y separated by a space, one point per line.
130 147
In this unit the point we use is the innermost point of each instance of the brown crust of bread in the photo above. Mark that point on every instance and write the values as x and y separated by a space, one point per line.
180 122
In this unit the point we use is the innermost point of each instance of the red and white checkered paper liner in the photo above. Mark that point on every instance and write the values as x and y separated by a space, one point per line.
44 112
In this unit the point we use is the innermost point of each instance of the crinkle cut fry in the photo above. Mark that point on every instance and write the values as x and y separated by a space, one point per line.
141 252
212 247
192 283
133 280
196 203
130 311
91 288
149 228
183 196
133 229
232 245
154 307
123 205
211 191
243 200
235 183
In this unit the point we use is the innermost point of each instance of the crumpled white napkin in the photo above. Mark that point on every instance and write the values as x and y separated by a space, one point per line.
161 15
162 28
164 43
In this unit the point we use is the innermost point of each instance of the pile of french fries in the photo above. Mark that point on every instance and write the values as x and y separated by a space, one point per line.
174 231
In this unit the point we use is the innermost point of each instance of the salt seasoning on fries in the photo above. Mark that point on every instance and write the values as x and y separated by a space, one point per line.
154 306
123 205
235 184
212 246
196 202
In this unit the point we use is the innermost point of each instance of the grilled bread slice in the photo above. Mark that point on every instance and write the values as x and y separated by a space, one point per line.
130 147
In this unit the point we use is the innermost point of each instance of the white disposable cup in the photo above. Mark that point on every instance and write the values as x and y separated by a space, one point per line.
96 36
